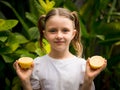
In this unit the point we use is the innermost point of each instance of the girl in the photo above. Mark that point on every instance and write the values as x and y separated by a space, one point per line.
60 69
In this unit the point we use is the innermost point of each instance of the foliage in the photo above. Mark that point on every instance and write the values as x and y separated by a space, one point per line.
100 29
102 23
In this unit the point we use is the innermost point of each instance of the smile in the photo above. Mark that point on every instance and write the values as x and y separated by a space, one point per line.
59 41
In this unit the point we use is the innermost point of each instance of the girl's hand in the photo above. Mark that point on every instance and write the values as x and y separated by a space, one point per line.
23 74
90 73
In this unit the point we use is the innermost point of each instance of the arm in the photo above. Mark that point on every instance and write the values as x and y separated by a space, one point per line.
87 86
90 75
26 85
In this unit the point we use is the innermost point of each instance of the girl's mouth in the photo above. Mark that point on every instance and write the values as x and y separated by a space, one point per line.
59 42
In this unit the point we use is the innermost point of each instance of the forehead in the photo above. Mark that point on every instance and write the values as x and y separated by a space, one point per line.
59 20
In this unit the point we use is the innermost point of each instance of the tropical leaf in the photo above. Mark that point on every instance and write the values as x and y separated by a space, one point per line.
107 28
34 33
16 84
7 24
47 6
25 26
39 7
84 32
86 9
31 17
21 52
7 81
109 41
70 5
3 38
30 47
9 58
16 38
5 50
19 38
38 50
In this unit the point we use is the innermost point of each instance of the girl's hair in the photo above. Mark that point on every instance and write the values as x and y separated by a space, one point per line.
76 42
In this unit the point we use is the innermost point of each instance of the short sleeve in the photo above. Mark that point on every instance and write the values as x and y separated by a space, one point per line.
93 86
34 78
35 83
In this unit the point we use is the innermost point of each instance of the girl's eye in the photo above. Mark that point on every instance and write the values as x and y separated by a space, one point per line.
65 30
52 30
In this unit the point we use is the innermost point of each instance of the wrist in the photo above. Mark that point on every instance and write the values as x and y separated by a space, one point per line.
26 84
86 85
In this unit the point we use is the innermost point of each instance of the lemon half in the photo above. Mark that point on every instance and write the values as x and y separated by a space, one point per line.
25 62
96 62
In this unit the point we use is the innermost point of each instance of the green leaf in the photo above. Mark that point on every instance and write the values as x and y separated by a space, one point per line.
8 58
3 38
23 52
70 5
7 24
4 35
16 84
31 17
83 30
39 8
101 37
107 28
30 46
5 50
24 24
14 40
19 38
38 51
7 81
47 6
14 46
2 21
46 46
86 9
34 33
109 41
117 43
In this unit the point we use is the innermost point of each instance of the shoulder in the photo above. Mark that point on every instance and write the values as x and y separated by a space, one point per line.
40 58
80 60
41 61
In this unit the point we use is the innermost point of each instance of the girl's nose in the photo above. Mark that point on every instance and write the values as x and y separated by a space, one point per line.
59 35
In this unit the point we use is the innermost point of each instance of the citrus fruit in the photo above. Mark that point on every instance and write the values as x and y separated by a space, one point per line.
25 62
96 62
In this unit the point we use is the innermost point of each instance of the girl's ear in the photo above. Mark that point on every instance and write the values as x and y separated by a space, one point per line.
44 33
74 32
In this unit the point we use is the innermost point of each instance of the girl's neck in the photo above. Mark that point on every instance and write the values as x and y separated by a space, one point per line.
60 55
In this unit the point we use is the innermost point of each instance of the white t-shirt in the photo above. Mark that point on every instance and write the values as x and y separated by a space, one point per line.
53 74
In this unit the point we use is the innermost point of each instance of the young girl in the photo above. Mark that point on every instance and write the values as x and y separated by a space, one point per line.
60 69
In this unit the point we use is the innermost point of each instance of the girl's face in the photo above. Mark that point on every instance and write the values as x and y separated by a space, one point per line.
59 31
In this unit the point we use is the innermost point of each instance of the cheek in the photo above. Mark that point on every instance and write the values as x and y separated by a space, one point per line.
49 37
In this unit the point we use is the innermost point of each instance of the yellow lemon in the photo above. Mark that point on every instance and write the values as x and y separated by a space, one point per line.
25 62
96 62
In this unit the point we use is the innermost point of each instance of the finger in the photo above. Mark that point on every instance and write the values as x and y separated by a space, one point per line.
88 64
104 65
15 65
32 66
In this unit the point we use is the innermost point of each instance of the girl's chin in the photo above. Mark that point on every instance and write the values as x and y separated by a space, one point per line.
59 49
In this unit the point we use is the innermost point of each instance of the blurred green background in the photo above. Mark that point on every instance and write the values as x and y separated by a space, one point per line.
100 30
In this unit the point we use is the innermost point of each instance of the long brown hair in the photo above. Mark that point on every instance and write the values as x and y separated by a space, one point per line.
76 42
